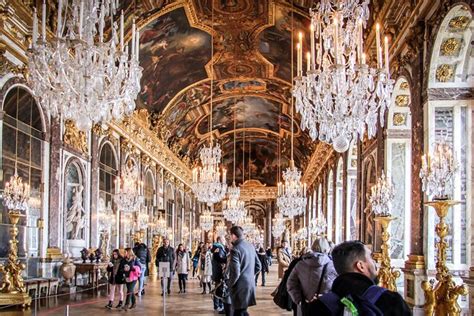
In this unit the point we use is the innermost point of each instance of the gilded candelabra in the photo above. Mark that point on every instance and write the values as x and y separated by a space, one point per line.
12 288
441 298
156 242
386 274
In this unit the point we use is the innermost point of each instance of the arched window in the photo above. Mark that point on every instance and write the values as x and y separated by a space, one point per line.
149 190
330 205
169 204
107 176
22 148
449 120
351 194
398 169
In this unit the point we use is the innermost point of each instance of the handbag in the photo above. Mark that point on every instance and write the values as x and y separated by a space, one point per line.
221 291
306 306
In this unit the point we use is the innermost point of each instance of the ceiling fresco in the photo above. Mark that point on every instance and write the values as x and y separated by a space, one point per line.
173 56
252 74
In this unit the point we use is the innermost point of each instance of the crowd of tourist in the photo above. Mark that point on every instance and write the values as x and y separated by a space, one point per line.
321 280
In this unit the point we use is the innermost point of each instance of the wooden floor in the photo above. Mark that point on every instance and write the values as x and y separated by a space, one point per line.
191 303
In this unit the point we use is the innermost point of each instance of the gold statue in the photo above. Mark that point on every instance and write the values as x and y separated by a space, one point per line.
441 298
12 287
156 242
387 276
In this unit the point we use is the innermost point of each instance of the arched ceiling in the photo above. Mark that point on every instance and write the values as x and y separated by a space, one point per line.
252 74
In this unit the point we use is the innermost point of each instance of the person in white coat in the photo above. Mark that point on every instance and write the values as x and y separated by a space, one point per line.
182 267
205 268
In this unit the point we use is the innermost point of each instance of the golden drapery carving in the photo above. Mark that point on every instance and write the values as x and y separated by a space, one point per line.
75 138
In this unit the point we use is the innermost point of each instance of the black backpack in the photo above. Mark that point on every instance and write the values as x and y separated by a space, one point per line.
363 305
282 298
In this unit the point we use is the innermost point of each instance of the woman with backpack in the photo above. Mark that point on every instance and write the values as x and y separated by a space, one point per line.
182 267
312 276
132 273
116 278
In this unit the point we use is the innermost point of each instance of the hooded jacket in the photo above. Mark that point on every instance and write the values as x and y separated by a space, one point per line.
304 280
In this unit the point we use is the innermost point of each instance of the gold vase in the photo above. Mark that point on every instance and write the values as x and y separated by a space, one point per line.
441 297
387 275
12 288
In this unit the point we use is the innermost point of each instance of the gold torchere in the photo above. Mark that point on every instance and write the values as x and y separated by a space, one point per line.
12 288
387 275
441 298
154 248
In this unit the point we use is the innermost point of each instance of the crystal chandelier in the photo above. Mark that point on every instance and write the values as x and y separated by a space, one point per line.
247 224
382 196
221 229
185 232
160 225
291 194
106 215
128 198
301 234
16 194
197 233
438 170
341 97
278 227
207 220
318 225
207 184
142 219
79 76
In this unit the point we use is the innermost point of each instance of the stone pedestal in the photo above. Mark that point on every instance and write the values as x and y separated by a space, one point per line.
414 273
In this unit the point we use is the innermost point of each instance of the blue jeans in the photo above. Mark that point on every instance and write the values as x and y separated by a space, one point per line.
218 304
141 280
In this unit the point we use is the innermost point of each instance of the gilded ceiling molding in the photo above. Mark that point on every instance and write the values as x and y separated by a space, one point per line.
75 138
445 73
317 162
138 134
451 47
255 190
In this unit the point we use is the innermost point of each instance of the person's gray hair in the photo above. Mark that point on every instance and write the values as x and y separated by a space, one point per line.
321 245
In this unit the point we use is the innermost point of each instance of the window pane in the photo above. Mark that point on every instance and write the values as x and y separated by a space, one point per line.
23 146
24 107
36 156
463 173
9 105
9 141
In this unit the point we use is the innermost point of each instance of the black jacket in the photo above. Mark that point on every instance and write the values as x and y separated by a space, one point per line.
264 261
165 255
219 259
390 303
119 277
142 253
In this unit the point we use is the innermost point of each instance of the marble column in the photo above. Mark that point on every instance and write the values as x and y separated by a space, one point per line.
414 271
54 219
94 194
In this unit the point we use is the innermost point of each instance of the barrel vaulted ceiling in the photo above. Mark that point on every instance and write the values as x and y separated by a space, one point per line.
252 75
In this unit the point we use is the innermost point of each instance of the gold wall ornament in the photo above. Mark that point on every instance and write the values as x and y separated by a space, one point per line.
12 287
444 73
404 85
74 137
386 274
402 100
451 47
399 119
459 23
441 297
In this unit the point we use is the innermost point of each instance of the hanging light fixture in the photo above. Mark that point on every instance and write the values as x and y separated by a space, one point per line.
128 198
318 225
341 97
233 208
278 227
207 184
382 196
79 76
207 220
221 229
291 198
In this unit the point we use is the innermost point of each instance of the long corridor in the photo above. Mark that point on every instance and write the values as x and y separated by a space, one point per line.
192 303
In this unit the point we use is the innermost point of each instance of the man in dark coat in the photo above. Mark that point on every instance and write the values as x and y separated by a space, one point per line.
143 255
357 272
219 259
165 254
243 266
